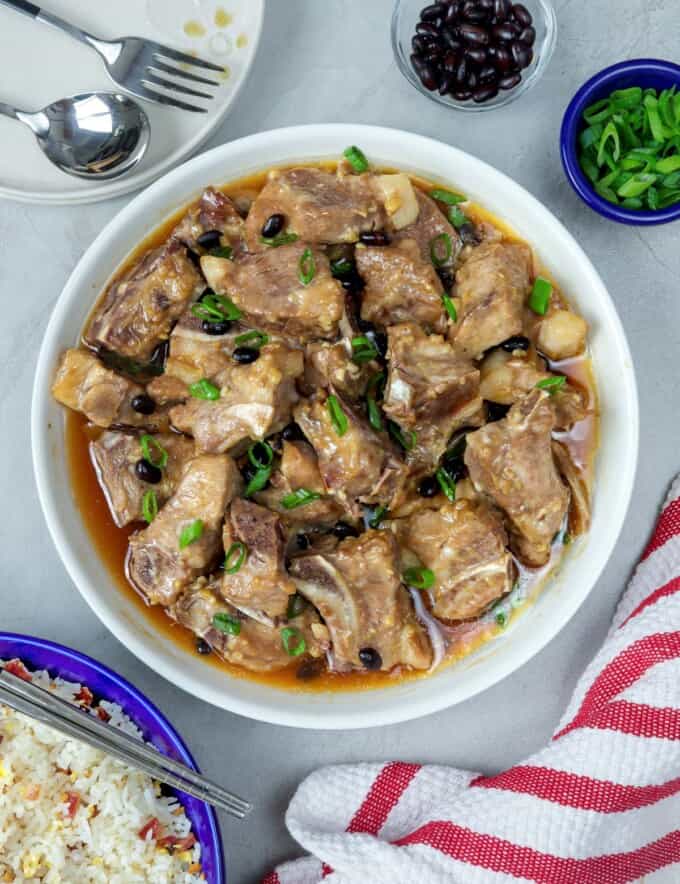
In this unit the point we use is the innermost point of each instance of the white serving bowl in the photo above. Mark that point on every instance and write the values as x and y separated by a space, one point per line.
616 461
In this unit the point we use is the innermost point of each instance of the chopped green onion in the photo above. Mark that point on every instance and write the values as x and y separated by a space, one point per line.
406 438
227 624
539 299
307 267
258 481
501 619
553 384
446 483
363 350
216 308
293 641
450 308
267 452
235 557
441 249
255 338
222 252
566 540
457 217
149 506
296 605
447 196
378 515
419 578
337 415
636 186
341 266
281 239
147 443
356 158
204 389
374 389
191 533
300 497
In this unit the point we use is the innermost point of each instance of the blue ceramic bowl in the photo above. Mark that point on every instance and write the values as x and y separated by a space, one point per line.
38 653
644 72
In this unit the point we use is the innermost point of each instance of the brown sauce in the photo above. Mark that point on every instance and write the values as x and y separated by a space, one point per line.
110 542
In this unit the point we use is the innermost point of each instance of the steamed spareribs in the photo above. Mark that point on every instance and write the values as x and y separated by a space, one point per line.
115 456
261 587
358 591
492 287
319 206
159 564
268 289
356 464
430 224
214 213
464 545
512 462
139 309
255 400
83 383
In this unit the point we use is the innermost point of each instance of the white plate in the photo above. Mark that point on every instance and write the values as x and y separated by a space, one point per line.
41 64
572 270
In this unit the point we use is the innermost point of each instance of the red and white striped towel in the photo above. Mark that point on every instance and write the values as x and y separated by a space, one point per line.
599 805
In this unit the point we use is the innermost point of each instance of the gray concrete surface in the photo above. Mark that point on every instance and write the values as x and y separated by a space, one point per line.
326 62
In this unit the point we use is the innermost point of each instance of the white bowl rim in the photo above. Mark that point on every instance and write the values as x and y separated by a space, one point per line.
400 702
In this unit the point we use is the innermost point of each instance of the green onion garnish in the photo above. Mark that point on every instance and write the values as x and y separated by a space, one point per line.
501 619
293 641
419 578
363 350
553 384
281 239
446 483
450 308
221 252
227 624
296 605
204 389
149 506
539 299
566 540
457 217
447 196
441 249
378 515
147 443
191 533
356 158
374 389
337 415
235 557
261 456
254 338
341 266
216 308
299 498
630 146
307 267
406 438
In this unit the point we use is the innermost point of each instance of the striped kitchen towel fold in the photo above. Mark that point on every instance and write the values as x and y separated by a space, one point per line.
599 805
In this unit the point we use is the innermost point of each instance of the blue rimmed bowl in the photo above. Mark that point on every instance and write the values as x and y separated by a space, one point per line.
645 72
38 653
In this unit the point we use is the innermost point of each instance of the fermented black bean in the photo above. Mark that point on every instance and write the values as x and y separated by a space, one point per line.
522 15
474 35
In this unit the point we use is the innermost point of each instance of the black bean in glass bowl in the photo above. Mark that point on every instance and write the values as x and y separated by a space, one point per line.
473 54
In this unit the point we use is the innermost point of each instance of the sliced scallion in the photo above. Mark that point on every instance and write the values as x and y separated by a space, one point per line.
448 197
227 624
261 457
153 451
216 308
222 252
363 350
446 483
149 506
337 415
191 533
379 514
374 389
539 299
419 578
235 557
406 438
281 239
457 217
204 389
441 249
253 338
552 384
356 158
293 641
299 497
450 308
306 267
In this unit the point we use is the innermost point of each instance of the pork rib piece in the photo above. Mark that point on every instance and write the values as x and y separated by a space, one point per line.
213 212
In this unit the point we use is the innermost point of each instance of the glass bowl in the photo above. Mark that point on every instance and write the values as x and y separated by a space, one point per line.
407 14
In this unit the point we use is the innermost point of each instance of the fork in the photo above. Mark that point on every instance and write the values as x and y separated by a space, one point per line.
135 64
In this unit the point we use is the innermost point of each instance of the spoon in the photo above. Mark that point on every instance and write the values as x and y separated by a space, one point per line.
96 135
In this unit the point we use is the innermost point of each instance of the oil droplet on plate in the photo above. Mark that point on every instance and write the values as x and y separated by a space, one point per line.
194 28
241 41
226 72
223 18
